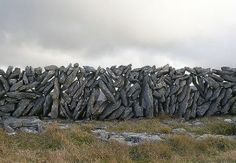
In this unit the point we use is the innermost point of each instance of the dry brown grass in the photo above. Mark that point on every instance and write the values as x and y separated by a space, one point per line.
77 144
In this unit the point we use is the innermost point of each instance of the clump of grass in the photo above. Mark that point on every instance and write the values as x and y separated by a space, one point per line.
77 144
31 141
216 125
211 125
151 151
142 125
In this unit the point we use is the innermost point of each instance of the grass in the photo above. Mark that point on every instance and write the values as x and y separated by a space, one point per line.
77 144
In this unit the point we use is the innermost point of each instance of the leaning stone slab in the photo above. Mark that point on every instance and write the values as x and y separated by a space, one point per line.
106 91
20 108
38 106
109 109
201 110
5 83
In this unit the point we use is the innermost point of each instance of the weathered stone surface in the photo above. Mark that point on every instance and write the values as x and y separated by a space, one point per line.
71 78
229 78
147 98
109 109
215 104
226 108
11 123
138 110
201 110
78 110
49 75
47 105
29 86
209 94
28 108
129 138
51 68
216 93
55 97
20 107
127 114
225 68
233 108
16 86
117 113
106 91
92 99
7 108
20 95
227 96
25 78
123 97
184 104
132 89
38 107
4 83
194 105
211 82
89 69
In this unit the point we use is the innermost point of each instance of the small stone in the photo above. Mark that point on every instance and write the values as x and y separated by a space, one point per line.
178 131
228 120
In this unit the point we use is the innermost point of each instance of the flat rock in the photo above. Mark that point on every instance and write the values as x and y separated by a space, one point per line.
26 123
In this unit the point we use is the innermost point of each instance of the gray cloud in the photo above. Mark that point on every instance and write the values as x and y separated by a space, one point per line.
100 32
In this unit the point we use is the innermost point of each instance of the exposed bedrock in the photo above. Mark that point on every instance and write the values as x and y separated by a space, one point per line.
117 92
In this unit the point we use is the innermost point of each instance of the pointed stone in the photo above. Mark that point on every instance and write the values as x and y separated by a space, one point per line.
5 83
55 97
147 98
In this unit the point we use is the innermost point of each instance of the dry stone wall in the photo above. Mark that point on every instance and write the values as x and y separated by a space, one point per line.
118 92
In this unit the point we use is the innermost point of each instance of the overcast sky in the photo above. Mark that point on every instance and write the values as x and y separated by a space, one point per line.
113 32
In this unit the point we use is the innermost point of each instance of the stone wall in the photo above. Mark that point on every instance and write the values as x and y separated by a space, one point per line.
75 92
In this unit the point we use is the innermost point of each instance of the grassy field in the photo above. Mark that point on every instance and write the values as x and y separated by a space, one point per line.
77 144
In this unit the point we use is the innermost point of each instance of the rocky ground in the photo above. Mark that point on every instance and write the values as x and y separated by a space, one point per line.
30 134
